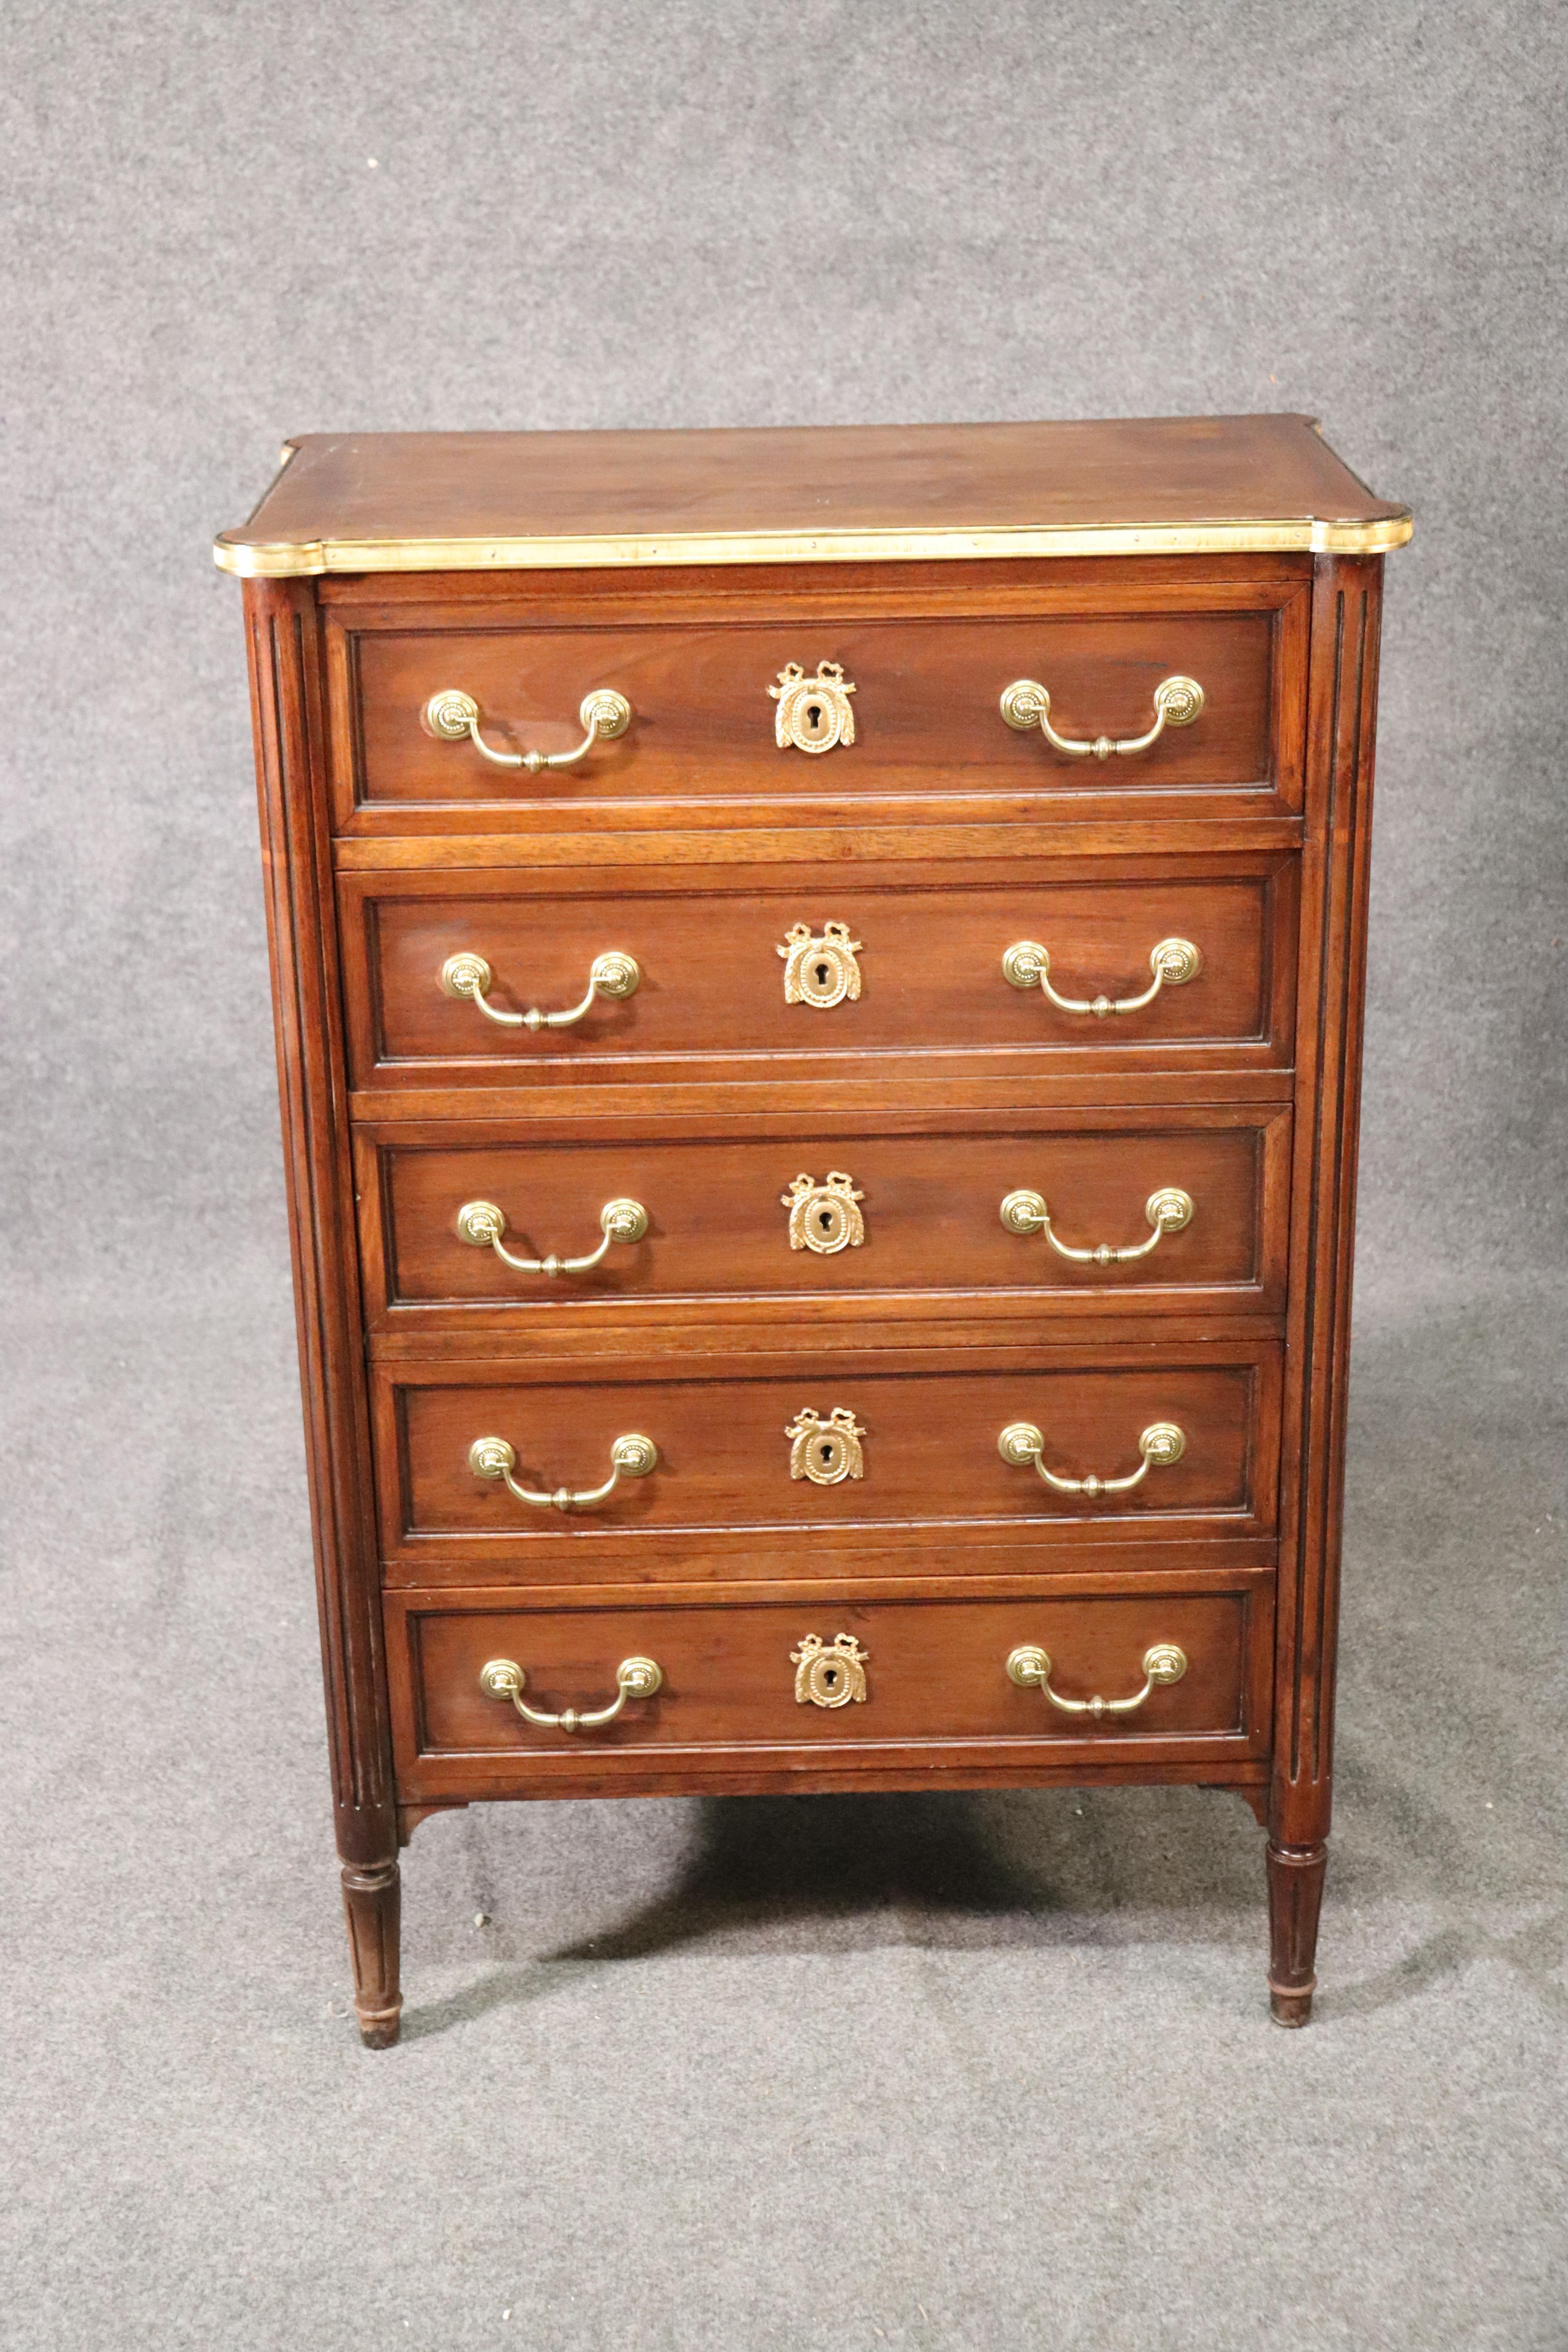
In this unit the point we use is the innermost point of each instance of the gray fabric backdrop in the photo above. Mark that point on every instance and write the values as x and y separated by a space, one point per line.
960 2072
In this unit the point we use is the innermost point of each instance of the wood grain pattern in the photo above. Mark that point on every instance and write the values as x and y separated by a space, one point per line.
935 1674
1013 587
695 844
284 679
373 1909
1342 707
853 1087
930 1453
720 1229
885 479
920 765
865 835
1295 1899
880 1564
712 988
925 706
1038 1766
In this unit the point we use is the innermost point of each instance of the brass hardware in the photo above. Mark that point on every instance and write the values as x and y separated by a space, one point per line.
825 1451
630 1457
1162 1443
820 966
778 537
481 1224
830 1674
813 713
635 1678
1167 1211
451 714
1030 1667
302 559
1177 702
466 975
825 1217
1174 962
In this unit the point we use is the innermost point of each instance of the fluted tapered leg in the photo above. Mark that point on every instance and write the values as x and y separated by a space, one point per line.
373 1901
1295 1894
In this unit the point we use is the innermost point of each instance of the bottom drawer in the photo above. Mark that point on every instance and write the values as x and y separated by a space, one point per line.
782 1682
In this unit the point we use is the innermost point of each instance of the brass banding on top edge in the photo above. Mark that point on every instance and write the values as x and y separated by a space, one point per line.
299 559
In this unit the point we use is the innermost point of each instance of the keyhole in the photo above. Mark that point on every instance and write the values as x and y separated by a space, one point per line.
823 975
813 716
825 1452
825 1219
830 1678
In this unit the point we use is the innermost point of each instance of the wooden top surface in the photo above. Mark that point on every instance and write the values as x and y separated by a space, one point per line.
484 501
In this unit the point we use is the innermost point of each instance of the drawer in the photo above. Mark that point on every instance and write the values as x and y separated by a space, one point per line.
794 1683
815 710
673 1459
832 1218
706 975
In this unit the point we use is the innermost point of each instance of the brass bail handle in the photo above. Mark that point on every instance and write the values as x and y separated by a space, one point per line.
1026 703
467 975
1030 1667
1168 1210
451 714
1026 965
1161 1444
482 1224
635 1678
630 1457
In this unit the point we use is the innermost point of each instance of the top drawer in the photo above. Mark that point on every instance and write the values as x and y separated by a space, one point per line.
438 709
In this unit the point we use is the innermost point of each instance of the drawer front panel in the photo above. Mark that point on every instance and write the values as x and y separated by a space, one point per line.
726 975
763 1677
921 699
830 1217
749 1454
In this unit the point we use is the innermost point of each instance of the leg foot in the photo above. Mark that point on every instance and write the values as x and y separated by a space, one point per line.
1295 1894
373 1906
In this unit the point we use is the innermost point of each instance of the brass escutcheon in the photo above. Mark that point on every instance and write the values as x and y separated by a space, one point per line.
820 966
828 1451
830 1674
825 1217
813 713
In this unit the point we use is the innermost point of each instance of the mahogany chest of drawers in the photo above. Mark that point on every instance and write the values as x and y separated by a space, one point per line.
819 982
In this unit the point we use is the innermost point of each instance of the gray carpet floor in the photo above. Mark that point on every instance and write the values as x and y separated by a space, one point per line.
973 2071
